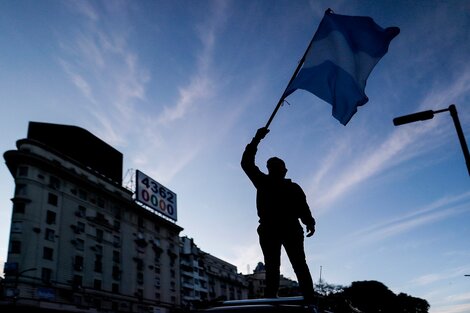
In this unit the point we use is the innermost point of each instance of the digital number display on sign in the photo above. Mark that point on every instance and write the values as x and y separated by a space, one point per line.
155 195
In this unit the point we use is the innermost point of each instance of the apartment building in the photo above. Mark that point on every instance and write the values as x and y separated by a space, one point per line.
79 242
194 283
206 278
257 284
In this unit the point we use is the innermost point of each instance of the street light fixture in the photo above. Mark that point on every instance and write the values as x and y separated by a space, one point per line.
429 114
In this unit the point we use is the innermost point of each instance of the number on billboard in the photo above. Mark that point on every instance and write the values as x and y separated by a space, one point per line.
156 196
145 181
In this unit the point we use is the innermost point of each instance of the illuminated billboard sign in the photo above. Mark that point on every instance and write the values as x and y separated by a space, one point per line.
154 195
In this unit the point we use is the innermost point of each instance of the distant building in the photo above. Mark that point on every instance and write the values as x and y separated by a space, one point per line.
205 278
78 241
257 284
224 281
194 284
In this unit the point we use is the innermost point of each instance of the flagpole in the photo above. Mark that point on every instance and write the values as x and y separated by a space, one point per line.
299 66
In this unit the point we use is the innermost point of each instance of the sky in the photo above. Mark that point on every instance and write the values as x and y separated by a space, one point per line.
180 87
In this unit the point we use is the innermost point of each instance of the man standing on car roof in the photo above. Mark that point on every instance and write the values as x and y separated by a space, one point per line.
280 204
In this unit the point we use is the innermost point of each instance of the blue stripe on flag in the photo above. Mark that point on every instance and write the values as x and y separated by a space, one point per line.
343 52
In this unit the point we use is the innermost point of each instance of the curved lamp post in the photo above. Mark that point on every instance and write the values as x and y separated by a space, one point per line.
429 114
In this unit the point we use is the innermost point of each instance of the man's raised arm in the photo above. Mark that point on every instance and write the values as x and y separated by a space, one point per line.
248 158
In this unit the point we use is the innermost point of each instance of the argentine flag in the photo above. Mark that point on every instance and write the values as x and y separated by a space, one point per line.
342 54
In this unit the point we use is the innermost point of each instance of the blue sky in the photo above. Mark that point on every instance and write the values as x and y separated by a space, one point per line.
180 87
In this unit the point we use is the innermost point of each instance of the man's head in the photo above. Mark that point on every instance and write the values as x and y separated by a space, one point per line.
276 167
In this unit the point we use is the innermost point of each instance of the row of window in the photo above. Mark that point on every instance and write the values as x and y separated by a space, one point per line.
54 182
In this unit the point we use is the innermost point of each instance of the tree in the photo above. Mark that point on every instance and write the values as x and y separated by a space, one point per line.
409 304
368 297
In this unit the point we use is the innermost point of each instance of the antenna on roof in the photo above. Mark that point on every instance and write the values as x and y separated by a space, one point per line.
128 181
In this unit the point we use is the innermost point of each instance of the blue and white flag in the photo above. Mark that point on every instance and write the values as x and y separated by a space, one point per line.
342 54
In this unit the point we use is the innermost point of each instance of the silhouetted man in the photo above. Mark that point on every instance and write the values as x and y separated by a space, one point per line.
280 203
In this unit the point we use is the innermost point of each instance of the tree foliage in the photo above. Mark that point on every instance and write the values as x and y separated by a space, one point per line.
369 297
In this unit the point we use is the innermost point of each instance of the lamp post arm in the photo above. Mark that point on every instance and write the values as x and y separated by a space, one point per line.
460 134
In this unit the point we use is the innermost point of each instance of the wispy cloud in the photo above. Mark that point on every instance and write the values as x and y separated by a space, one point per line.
441 276
105 70
452 308
370 161
201 85
401 145
438 210
443 296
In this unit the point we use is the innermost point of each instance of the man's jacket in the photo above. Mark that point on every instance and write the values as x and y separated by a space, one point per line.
280 202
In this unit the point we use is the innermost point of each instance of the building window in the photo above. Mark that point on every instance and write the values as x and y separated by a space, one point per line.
140 264
117 225
116 256
78 263
77 282
117 211
81 211
157 256
20 190
82 194
97 303
52 199
80 227
100 202
100 217
116 241
99 250
47 253
22 171
54 182
97 284
77 300
115 288
17 227
140 222
98 263
46 275
99 235
50 217
49 234
140 278
116 272
79 244
15 247
19 207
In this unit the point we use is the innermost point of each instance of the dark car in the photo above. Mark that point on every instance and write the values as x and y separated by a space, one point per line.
275 305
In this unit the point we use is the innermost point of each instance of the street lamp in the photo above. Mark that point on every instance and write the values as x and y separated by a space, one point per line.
429 114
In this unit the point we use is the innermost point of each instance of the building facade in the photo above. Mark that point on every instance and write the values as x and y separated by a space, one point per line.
223 280
194 283
257 284
78 240
206 279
